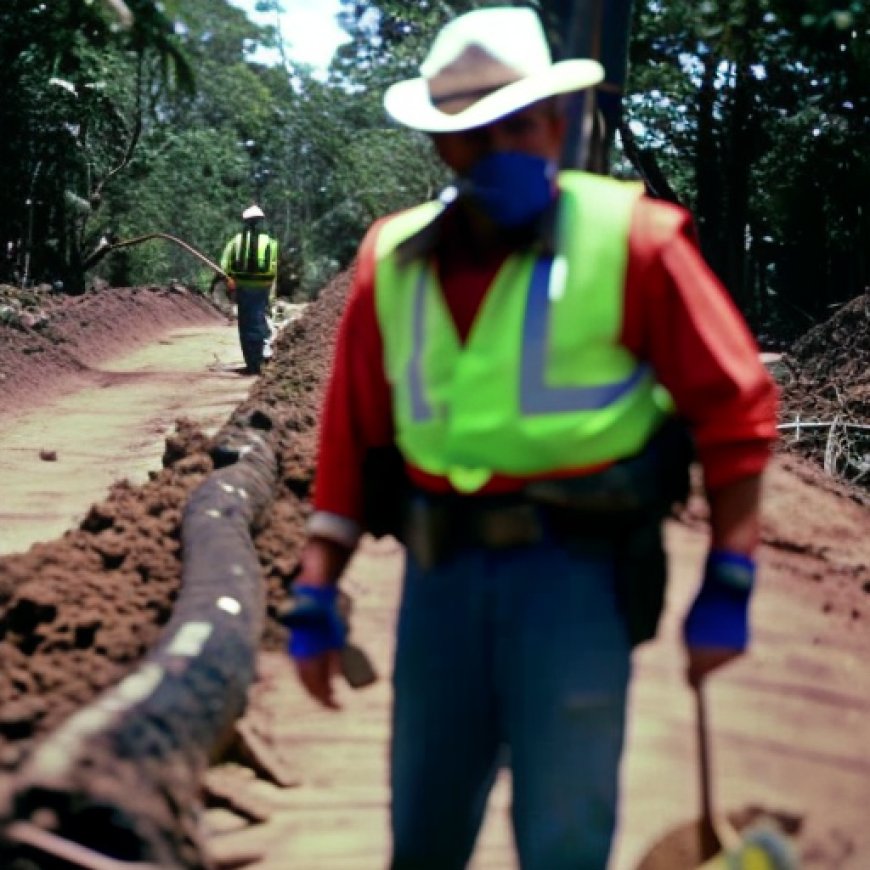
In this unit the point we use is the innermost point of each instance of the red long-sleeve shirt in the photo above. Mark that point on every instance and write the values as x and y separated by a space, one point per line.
677 316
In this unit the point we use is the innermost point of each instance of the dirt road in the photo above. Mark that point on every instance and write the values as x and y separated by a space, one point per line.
790 720
57 460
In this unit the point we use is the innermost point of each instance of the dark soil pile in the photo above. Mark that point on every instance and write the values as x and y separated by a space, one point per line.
78 612
828 381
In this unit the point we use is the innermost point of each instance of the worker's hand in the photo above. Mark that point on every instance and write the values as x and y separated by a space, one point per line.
704 660
231 289
716 629
317 675
317 634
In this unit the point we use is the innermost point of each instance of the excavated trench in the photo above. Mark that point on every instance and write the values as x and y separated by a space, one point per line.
82 614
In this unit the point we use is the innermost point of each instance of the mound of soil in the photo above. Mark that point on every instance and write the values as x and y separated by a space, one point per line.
47 338
837 352
828 382
78 612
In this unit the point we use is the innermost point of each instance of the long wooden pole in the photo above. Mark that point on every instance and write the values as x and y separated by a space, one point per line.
120 779
107 248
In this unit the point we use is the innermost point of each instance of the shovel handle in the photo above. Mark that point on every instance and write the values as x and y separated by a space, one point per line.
709 841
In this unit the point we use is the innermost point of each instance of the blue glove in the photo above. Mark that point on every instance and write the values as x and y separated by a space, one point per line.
719 616
315 624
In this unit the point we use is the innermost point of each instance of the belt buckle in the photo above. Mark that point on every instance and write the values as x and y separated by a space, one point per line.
510 526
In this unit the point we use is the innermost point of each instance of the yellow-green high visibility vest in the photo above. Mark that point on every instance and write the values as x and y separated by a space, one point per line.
541 383
250 265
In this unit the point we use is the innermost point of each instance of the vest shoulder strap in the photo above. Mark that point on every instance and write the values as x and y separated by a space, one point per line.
405 224
592 184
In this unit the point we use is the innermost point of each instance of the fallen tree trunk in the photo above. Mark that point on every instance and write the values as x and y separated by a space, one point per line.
120 780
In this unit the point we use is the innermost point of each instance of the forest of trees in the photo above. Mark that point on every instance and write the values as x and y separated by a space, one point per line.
755 114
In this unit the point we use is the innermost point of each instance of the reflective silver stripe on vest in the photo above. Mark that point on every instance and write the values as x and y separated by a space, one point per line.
421 410
535 396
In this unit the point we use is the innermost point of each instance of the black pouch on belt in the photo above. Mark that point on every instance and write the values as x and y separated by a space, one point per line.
627 503
385 491
641 578
428 529
649 483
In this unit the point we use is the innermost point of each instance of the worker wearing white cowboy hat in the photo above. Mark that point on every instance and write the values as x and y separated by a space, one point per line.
522 345
483 67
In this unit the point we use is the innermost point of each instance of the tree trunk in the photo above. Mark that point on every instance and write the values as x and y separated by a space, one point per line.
708 170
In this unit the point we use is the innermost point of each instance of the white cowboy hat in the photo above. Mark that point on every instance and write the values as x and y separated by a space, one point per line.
252 212
482 66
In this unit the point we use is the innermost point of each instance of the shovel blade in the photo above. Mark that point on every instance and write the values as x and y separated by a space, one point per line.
759 849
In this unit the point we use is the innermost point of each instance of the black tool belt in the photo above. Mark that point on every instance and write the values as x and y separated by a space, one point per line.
619 509
436 526
603 506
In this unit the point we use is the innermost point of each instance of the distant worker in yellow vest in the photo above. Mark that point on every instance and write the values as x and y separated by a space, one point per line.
250 258
531 358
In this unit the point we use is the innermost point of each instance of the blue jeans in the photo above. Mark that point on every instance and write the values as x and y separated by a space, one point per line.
519 654
253 305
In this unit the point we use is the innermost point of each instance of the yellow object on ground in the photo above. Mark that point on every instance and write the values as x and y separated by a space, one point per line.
760 847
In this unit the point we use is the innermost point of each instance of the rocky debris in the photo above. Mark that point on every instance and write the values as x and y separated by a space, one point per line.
830 366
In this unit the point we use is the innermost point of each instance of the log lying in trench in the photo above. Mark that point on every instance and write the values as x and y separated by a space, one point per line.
117 785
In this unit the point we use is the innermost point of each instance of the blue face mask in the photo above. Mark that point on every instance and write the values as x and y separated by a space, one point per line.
512 188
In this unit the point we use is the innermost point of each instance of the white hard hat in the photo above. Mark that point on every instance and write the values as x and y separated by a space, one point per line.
252 212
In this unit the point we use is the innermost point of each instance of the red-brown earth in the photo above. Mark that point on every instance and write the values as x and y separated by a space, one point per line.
790 720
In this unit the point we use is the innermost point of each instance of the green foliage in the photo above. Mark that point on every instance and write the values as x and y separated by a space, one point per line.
755 110
75 82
